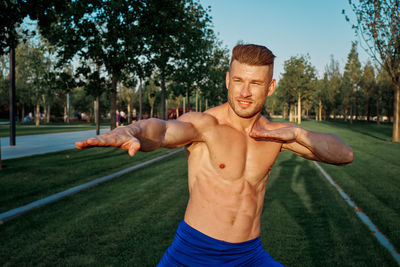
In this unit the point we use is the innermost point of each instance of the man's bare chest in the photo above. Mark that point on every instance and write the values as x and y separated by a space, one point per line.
233 155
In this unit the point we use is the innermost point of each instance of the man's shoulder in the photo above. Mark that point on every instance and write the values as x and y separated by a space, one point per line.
200 120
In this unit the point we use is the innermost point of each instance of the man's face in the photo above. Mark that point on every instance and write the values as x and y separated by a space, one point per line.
248 87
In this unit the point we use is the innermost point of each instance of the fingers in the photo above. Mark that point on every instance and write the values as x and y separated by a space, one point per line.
134 147
80 145
279 135
263 134
104 140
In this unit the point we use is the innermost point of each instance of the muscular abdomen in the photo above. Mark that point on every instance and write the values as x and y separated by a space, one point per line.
225 209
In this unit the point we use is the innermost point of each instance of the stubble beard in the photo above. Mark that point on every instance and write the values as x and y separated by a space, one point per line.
244 113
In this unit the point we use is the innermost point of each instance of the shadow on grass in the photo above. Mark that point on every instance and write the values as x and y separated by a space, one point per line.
312 217
381 132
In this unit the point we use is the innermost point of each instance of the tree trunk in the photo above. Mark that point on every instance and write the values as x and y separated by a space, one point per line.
200 104
378 115
113 101
37 117
291 113
396 114
184 105
97 114
356 108
351 111
197 99
151 111
166 108
163 89
298 109
128 108
48 114
65 113
206 104
284 112
320 110
140 99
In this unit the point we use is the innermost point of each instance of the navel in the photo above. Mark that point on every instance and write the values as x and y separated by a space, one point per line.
222 165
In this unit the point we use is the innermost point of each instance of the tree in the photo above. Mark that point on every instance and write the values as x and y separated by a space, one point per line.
213 85
352 75
384 94
368 86
128 95
12 14
378 25
108 33
178 34
334 77
297 82
151 88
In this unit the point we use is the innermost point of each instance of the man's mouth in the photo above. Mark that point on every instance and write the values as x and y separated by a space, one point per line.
244 103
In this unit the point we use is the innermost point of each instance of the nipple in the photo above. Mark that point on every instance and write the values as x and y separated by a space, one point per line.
222 165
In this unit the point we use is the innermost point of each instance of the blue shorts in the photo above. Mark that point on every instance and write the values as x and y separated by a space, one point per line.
193 248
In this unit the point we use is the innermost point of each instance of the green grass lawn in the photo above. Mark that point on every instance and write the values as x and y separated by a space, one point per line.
30 178
373 179
130 221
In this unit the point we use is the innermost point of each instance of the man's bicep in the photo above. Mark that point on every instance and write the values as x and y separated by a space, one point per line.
299 150
179 134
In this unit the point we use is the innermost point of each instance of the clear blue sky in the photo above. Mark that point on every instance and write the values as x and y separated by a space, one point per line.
288 28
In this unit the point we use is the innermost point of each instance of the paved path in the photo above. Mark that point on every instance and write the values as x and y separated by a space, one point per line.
43 143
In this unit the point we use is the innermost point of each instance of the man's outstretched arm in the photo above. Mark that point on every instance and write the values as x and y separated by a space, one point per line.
147 135
322 147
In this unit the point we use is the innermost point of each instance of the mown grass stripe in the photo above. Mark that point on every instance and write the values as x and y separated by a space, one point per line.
364 218
11 214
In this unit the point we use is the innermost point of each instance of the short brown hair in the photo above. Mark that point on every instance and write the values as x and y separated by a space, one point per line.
251 54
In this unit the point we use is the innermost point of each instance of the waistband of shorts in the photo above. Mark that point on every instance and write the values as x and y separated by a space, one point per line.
199 237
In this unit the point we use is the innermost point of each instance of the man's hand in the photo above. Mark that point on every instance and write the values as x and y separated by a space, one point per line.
121 137
285 134
322 147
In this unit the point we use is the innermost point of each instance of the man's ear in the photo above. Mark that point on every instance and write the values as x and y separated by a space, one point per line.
227 80
271 87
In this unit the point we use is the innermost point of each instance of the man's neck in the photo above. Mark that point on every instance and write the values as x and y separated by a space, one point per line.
240 123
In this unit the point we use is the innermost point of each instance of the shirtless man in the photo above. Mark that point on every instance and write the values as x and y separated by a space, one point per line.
231 149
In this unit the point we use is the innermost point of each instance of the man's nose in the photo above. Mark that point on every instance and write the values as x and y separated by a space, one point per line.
245 92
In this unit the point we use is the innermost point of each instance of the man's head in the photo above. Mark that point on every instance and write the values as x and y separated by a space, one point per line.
249 80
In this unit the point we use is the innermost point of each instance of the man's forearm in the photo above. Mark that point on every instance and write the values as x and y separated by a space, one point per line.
326 147
150 133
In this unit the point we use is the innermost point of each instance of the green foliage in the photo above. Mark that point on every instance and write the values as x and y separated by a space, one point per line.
298 82
298 79
378 25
